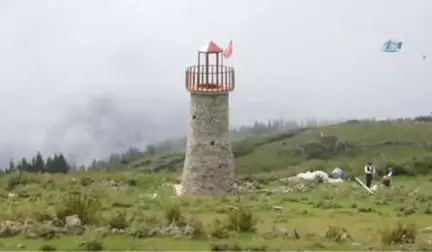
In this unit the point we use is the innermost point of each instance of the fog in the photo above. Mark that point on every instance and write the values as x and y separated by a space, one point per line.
93 77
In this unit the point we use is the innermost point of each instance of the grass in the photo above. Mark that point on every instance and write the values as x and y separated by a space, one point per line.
324 217
117 210
277 152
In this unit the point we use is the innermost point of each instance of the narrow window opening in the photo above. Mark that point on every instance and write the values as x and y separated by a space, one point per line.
212 143
194 117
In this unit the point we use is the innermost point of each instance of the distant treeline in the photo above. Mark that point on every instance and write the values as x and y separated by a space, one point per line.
59 164
133 153
55 164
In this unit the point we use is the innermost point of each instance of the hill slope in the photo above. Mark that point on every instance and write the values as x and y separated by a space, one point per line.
403 144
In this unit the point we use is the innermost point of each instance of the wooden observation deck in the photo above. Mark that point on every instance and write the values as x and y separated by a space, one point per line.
210 78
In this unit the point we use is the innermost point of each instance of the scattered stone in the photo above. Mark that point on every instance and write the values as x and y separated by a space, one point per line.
117 231
290 234
188 230
48 231
73 225
10 228
426 230
73 220
277 209
230 208
178 189
247 186
111 183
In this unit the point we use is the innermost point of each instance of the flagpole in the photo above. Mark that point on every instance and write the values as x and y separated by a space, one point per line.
231 56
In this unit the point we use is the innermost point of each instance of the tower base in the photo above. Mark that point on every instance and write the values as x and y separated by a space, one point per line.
209 162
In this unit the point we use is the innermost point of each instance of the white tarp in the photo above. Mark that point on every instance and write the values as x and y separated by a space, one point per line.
317 174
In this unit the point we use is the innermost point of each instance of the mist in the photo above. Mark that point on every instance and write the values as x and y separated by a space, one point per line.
88 78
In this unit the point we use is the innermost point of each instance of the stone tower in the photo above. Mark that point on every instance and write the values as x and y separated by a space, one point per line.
209 162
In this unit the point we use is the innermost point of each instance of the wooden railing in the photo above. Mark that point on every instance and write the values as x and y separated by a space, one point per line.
210 79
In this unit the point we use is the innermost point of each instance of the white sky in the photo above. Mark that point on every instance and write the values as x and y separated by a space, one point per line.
294 59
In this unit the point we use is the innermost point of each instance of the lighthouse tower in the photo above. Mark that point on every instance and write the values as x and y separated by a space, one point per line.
209 162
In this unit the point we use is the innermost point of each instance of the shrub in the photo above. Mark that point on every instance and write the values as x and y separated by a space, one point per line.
197 227
118 221
84 205
337 234
18 179
423 118
173 213
86 181
218 230
398 234
241 220
47 247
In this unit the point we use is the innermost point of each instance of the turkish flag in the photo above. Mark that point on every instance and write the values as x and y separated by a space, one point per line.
228 51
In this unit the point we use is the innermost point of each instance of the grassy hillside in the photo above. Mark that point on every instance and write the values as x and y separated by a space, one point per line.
136 210
404 144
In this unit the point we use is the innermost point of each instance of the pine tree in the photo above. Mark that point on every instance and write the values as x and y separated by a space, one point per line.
39 163
62 165
11 167
57 164
24 165
50 165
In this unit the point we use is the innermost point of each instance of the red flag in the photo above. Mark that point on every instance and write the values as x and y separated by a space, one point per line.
228 51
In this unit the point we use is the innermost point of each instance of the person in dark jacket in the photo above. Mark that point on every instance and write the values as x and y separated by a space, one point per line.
369 170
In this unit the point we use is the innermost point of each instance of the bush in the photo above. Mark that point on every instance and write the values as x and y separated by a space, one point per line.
118 221
173 213
218 230
86 181
398 234
423 118
84 205
47 247
337 234
241 220
197 227
18 179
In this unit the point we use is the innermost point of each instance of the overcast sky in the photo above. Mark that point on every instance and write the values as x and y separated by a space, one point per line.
92 76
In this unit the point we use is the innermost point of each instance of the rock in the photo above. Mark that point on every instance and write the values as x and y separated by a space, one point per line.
73 225
154 232
289 234
73 220
10 228
188 230
47 231
247 186
426 230
174 231
178 189
117 231
111 183
277 209
58 223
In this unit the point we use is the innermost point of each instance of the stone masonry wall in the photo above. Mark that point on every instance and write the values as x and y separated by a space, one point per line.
209 162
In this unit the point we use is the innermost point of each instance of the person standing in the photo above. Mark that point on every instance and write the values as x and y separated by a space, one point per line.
369 170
